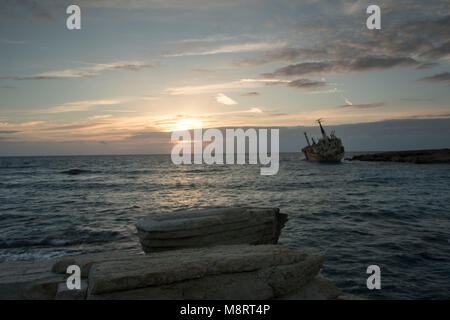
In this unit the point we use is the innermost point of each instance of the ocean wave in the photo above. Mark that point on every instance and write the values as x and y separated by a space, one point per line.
25 256
76 238
74 172
16 167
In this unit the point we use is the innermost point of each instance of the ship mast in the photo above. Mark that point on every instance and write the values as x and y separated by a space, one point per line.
321 129
307 140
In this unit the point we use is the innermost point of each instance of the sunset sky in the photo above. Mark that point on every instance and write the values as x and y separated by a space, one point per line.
139 69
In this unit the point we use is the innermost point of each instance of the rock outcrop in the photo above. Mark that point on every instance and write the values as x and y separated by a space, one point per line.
232 255
221 272
413 156
28 280
209 227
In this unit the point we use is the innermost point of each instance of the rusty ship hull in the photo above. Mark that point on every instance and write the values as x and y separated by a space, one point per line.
311 155
316 157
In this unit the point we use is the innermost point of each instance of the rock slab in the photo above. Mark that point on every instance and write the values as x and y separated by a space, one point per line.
209 227
220 272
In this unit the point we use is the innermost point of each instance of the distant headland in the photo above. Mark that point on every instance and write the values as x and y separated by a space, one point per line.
411 156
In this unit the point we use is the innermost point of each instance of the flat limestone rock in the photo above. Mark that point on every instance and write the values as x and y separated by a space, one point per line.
65 293
61 265
240 286
40 279
85 261
28 280
221 272
209 227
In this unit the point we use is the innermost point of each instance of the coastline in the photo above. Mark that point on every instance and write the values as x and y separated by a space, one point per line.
428 156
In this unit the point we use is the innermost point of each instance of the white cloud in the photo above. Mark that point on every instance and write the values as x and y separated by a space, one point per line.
80 105
213 38
217 87
85 72
255 110
234 48
8 41
224 99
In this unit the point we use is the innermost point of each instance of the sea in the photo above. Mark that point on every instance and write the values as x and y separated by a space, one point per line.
355 214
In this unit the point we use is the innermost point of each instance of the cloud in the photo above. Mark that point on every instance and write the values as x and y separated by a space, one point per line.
149 97
418 100
217 87
232 48
250 94
287 54
67 127
8 41
47 10
306 84
437 52
416 37
359 64
85 72
27 10
213 38
202 70
441 77
303 83
80 106
360 106
254 110
164 4
379 63
8 131
426 65
301 69
223 99
436 27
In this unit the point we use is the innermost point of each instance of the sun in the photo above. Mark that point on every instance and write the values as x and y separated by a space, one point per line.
187 124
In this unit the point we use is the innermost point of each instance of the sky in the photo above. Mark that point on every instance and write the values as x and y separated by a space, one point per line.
138 70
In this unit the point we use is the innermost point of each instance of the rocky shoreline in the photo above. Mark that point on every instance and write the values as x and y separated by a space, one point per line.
411 156
226 266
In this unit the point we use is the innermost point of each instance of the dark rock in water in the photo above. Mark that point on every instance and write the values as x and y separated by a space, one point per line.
74 172
209 227
412 156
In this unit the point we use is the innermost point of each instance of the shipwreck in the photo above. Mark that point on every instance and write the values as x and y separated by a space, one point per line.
327 149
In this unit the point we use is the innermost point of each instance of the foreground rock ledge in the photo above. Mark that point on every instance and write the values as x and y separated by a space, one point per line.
222 272
209 227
